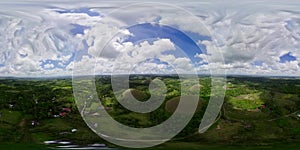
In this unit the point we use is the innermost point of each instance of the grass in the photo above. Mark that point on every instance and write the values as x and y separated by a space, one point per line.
139 119
204 146
246 101
172 146
5 131
10 117
235 114
221 132
40 136
139 95
230 129
171 105
57 124
23 146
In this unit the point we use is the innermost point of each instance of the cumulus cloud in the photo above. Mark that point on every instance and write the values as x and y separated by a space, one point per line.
36 39
144 57
28 41
261 36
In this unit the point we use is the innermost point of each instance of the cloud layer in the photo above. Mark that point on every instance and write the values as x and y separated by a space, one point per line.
42 39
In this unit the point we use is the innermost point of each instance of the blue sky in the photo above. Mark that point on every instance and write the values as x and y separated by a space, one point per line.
78 29
43 39
79 10
287 58
154 31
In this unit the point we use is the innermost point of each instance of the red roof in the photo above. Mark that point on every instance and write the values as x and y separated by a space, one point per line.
63 114
66 109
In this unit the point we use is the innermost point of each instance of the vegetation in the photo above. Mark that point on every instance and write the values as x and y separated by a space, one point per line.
261 112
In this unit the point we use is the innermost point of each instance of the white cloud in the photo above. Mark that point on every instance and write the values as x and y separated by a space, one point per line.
49 66
29 40
138 56
31 34
262 36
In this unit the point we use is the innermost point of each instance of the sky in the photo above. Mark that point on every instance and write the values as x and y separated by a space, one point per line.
54 38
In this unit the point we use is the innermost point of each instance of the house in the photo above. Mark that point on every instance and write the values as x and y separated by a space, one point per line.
56 116
263 106
11 106
62 114
298 115
34 123
74 130
66 109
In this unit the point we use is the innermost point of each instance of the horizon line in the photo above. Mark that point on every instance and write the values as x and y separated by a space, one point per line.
216 75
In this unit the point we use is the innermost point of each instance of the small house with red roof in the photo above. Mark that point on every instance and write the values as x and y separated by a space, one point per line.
62 114
66 109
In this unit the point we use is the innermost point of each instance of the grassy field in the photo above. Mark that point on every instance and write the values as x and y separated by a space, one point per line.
247 101
171 105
